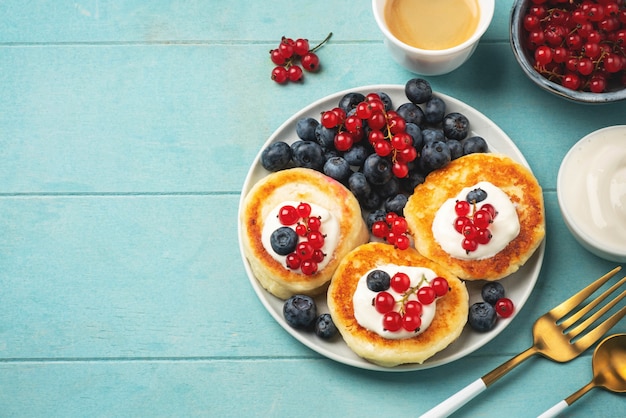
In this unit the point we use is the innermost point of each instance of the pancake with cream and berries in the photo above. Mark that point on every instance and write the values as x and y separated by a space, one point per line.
481 216
298 224
395 306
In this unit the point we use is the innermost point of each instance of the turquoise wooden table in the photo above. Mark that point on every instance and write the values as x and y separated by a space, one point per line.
126 131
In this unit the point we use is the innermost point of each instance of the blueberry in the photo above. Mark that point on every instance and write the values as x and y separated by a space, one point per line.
300 311
418 90
411 113
370 201
377 169
325 137
433 135
389 189
396 204
356 155
474 144
374 216
476 195
284 240
308 154
305 129
434 110
492 291
412 181
350 101
482 316
384 97
434 156
378 280
325 327
337 168
456 148
455 126
416 133
276 156
358 185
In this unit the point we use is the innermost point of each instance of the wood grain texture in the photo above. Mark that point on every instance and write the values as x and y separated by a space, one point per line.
126 132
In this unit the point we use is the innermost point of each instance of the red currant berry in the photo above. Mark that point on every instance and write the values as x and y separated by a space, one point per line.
353 124
400 169
401 141
392 321
301 47
383 148
294 73
308 267
400 282
390 217
402 242
305 250
460 222
571 81
469 231
469 245
364 110
314 223
301 230
310 62
399 225
411 322
483 236
482 218
489 208
544 55
462 207
318 256
377 119
344 141
396 125
380 229
293 261
407 155
504 307
280 75
413 307
304 210
288 215
440 286
316 239
330 119
384 302
426 295
286 47
277 57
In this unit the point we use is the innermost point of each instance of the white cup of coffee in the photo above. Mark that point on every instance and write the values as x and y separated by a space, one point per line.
432 37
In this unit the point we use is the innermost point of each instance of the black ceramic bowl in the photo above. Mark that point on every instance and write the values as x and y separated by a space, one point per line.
526 60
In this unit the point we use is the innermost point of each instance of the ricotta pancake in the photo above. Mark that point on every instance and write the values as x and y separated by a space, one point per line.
449 318
521 222
342 227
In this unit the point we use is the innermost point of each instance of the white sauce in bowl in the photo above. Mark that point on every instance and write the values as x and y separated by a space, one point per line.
592 191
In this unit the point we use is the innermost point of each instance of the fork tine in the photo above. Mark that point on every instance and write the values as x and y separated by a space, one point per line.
565 307
585 310
593 318
593 336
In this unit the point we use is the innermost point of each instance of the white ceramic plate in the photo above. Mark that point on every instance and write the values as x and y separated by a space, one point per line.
518 286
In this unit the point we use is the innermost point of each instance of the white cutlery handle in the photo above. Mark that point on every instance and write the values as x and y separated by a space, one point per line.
457 400
555 410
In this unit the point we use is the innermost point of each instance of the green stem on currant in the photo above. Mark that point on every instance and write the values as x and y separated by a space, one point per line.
406 295
318 46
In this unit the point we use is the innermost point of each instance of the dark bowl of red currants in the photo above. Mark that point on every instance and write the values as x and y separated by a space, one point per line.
575 49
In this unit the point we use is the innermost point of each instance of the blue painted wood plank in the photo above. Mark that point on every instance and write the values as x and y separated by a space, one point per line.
208 21
284 387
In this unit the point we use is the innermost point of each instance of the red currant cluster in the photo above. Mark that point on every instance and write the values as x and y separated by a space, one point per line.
393 229
473 223
308 253
286 55
387 132
579 44
409 314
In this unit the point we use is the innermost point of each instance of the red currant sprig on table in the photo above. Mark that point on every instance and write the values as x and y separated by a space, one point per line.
287 55
411 303
393 229
579 44
308 252
387 133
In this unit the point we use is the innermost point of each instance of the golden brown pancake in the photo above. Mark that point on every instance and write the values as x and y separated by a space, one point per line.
447 325
300 185
519 184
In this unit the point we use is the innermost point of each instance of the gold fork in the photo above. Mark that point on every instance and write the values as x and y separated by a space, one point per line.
556 336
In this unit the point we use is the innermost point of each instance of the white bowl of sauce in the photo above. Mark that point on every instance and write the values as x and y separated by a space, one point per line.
591 190
432 37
